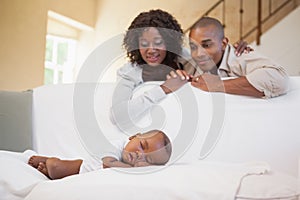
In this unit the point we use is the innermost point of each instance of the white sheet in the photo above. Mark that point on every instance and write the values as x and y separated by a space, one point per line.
273 185
197 180
250 129
236 128
54 129
246 128
200 180
17 178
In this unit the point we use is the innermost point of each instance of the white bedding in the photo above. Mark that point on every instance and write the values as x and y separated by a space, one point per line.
17 178
197 180
180 181
248 130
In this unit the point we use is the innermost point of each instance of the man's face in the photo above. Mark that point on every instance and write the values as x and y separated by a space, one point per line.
206 47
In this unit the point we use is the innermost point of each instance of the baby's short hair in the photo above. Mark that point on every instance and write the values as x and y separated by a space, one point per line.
166 142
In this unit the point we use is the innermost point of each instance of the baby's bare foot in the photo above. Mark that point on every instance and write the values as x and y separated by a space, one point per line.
42 168
34 161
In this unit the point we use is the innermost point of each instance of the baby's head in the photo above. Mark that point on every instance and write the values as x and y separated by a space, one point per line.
150 148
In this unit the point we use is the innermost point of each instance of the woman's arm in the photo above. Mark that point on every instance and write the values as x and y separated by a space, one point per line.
126 109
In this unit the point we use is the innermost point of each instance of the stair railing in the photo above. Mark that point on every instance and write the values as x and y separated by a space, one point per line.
260 20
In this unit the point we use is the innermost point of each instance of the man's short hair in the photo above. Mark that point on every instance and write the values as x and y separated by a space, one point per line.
207 21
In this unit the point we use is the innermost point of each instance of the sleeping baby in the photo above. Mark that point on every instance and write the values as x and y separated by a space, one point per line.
150 148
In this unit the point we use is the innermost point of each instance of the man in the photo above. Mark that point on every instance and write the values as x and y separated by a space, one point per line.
214 57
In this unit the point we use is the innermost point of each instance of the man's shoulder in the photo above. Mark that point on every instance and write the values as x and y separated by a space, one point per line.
244 58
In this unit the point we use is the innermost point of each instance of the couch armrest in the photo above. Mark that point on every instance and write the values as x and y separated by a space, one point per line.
15 120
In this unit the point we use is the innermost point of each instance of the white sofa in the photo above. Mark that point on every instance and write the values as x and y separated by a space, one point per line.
221 144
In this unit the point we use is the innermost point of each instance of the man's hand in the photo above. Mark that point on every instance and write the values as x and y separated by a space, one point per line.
208 82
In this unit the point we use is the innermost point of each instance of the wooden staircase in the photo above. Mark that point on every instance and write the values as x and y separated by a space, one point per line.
249 19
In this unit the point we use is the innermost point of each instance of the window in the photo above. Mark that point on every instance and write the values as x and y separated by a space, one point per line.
59 60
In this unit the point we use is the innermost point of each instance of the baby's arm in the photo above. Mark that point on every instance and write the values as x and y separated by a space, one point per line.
113 162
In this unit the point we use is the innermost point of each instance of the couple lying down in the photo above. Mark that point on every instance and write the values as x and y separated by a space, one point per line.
150 148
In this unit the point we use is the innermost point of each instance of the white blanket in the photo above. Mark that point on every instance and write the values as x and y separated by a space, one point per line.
198 180
249 129
17 178
246 128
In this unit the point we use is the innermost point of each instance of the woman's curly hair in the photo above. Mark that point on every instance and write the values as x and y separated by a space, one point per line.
167 26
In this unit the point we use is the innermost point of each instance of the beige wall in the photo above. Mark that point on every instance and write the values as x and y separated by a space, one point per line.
83 11
23 35
23 27
109 17
285 36
114 17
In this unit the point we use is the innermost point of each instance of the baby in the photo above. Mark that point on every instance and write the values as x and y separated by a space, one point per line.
150 148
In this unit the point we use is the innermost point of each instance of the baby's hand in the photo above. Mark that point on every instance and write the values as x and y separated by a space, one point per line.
141 164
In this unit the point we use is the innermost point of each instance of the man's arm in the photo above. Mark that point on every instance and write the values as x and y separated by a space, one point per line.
241 86
213 83
113 162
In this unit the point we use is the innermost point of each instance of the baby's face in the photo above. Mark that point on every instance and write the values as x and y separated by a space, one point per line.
146 149
152 47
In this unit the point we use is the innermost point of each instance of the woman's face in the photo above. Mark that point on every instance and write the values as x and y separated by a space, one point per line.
152 47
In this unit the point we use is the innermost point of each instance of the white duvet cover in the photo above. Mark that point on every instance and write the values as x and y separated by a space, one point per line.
17 178
197 180
254 136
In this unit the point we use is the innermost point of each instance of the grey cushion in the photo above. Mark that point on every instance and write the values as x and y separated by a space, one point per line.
15 120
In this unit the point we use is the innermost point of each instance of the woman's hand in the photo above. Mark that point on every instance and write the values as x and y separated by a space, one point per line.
174 81
241 47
